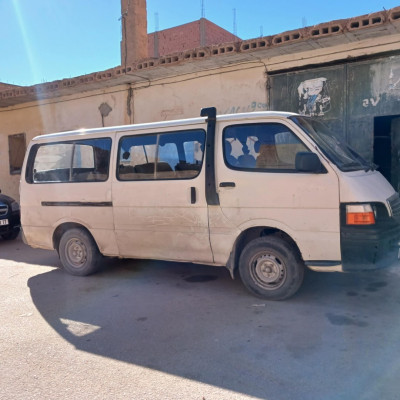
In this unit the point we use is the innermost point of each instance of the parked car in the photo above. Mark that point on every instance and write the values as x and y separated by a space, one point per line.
265 194
10 220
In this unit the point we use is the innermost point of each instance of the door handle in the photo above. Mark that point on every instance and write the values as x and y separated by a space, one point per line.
227 184
192 195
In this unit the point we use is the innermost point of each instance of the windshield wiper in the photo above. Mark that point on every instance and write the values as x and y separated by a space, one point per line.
350 166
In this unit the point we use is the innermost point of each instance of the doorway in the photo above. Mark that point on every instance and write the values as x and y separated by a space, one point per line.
387 148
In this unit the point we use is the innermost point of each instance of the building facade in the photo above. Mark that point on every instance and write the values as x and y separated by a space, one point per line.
347 73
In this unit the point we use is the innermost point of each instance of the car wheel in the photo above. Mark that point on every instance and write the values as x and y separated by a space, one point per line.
78 252
271 268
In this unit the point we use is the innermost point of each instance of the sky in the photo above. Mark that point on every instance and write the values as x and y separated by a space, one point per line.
45 40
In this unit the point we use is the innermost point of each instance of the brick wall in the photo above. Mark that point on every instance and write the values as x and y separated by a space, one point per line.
187 37
217 35
5 86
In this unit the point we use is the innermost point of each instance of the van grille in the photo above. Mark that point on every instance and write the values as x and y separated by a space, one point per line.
3 209
394 203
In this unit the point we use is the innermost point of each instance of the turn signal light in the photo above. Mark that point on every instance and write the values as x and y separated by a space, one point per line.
360 214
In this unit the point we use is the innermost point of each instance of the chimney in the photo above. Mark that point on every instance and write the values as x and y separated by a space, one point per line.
134 31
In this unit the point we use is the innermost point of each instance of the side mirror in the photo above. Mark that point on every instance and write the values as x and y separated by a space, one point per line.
309 162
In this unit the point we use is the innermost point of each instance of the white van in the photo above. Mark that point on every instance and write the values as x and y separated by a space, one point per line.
265 194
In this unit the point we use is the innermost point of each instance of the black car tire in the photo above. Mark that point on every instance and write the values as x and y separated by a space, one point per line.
78 252
271 268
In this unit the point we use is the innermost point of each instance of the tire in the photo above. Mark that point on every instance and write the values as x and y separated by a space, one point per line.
78 252
10 235
271 268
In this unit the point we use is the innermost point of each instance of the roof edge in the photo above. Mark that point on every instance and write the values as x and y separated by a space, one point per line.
350 29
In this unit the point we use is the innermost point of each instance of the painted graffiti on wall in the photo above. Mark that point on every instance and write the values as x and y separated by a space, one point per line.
171 113
253 106
385 83
394 79
314 98
373 102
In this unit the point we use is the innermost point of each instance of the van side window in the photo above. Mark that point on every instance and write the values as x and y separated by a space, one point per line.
75 161
266 146
172 155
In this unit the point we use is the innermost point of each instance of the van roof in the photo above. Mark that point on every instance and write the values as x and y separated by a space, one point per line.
166 124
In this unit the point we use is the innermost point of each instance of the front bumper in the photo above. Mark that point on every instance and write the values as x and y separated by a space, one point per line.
14 223
370 247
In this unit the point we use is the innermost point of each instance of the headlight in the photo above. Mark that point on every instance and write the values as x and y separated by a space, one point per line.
360 214
14 206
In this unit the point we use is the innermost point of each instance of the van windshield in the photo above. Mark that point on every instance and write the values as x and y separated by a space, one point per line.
337 151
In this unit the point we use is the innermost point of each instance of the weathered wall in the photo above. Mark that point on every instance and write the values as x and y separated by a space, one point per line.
231 90
61 114
347 97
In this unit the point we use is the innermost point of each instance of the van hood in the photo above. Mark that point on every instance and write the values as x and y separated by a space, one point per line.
361 186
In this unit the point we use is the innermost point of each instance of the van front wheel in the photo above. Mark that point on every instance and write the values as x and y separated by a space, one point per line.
271 268
78 252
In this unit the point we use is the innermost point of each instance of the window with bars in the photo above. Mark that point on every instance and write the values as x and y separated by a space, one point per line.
16 151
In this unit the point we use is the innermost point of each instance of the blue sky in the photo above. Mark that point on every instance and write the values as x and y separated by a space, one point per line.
45 40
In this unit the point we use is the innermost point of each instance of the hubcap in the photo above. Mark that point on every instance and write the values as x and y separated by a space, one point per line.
268 271
76 252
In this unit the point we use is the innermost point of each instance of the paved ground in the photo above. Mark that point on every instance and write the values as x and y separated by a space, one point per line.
156 330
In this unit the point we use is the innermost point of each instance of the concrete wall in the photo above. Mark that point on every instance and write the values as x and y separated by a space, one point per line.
347 96
230 89
357 91
61 114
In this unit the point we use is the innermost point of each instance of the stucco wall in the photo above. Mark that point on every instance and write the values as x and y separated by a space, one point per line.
238 87
231 90
61 114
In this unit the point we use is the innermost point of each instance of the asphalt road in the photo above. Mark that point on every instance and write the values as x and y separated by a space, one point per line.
158 330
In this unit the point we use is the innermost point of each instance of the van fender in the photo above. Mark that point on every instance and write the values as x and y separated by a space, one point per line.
104 238
253 229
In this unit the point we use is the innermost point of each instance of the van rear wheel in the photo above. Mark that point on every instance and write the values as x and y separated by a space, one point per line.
78 252
271 268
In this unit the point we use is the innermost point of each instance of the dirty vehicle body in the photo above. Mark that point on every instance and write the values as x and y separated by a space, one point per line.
10 223
265 194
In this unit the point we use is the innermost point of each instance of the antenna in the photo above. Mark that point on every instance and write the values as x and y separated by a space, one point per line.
156 47
234 22
156 21
261 31
202 25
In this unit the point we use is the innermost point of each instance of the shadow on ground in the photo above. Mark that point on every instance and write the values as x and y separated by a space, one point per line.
194 321
16 250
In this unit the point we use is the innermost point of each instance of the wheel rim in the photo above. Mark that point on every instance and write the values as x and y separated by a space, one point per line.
76 252
268 270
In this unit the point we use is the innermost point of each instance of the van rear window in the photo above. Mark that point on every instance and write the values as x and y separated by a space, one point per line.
73 161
